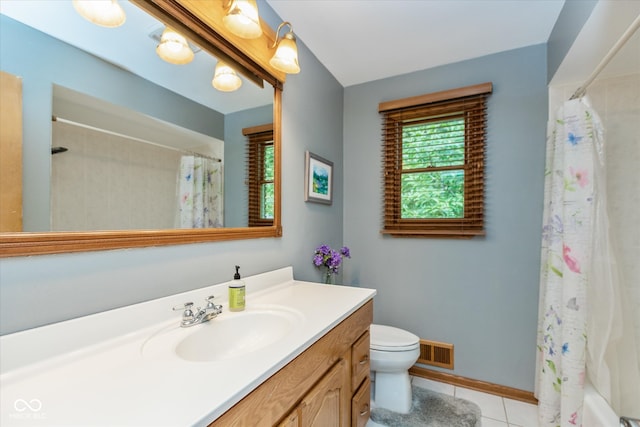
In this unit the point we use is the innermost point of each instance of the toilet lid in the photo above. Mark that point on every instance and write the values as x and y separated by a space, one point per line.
388 338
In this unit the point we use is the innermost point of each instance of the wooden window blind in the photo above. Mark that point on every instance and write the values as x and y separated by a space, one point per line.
433 151
260 175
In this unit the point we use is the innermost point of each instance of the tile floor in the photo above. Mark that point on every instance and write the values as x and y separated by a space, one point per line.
496 411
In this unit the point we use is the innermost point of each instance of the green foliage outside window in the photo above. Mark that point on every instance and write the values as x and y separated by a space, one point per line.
267 196
432 182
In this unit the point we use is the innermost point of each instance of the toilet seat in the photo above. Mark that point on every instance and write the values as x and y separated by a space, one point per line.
388 338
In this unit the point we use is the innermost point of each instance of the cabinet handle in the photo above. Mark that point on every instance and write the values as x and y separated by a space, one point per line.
364 360
364 411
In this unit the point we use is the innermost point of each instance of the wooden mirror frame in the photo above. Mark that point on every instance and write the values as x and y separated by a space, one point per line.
250 58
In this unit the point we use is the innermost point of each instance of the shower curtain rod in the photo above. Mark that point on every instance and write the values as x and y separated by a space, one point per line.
625 37
180 150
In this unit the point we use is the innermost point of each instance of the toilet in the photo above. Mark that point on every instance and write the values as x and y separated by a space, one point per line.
392 352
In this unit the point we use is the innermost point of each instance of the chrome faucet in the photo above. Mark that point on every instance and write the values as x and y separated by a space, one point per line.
204 314
629 422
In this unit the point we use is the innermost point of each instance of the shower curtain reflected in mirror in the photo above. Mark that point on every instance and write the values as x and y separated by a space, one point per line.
581 325
200 193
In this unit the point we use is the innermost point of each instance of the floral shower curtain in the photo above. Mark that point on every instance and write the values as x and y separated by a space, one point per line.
580 320
565 262
199 193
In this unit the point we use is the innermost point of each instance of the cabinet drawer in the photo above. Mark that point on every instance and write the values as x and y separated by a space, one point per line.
359 360
360 404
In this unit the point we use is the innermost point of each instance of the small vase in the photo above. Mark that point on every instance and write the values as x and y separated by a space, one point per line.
329 277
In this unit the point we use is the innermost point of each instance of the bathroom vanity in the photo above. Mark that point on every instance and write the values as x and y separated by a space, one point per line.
298 355
327 385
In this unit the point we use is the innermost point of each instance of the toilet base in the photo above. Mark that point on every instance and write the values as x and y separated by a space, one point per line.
392 391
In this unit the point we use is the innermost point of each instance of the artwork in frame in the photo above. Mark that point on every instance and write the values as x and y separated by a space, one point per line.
318 179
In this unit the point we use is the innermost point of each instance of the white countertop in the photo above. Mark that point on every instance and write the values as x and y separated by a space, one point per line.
92 371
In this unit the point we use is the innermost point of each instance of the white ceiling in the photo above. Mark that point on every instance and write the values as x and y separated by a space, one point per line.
365 40
357 40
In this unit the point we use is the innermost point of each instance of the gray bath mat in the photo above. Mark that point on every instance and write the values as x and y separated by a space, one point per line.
431 409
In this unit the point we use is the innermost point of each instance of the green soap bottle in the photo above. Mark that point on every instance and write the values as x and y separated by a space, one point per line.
236 292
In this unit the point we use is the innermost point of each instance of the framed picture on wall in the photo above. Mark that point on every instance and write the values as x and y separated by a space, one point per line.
318 179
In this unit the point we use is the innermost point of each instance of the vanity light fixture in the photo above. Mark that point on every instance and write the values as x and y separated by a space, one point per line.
225 78
106 13
242 18
285 58
173 48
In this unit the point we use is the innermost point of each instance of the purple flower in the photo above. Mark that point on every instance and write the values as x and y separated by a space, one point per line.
324 256
334 261
323 249
318 260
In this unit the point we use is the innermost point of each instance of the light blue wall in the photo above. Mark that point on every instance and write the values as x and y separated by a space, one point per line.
479 294
43 289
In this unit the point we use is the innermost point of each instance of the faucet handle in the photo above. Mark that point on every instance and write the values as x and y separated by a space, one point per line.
213 306
188 313
188 318
185 306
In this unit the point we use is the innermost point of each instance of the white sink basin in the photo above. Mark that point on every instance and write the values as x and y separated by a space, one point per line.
229 335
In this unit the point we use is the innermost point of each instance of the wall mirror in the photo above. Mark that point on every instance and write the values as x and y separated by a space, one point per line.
92 93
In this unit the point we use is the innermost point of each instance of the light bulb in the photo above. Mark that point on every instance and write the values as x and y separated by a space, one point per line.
174 48
106 13
285 58
225 78
243 20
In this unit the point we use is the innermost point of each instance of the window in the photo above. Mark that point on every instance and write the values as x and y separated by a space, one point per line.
260 171
433 163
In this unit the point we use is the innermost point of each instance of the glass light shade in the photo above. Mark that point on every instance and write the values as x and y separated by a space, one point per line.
106 13
243 20
285 58
174 48
225 78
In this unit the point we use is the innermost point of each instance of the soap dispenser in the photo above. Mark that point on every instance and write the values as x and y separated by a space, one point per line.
236 292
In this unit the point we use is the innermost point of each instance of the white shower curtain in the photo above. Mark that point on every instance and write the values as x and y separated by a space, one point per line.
581 302
199 193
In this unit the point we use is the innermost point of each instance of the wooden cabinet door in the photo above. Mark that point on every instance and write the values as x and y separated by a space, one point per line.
11 149
329 402
292 420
